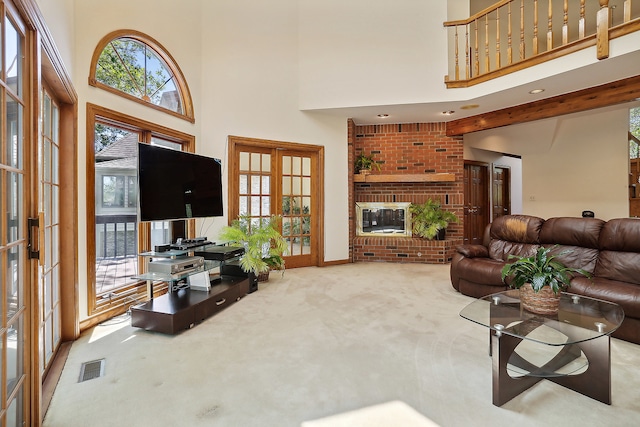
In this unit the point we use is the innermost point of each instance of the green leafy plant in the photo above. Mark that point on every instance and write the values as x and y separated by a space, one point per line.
541 269
263 244
366 162
429 218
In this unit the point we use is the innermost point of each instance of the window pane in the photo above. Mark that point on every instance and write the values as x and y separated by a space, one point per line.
266 163
266 185
255 184
244 184
244 161
306 186
13 57
14 133
306 166
244 205
286 165
15 351
297 165
255 162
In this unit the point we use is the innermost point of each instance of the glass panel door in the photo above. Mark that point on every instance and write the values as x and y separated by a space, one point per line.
14 196
297 206
48 206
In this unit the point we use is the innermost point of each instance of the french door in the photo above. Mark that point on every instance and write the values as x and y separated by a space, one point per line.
49 231
279 178
15 203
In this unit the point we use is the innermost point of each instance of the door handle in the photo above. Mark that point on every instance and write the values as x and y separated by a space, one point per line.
33 223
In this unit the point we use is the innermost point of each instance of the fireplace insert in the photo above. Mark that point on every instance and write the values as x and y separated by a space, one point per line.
381 219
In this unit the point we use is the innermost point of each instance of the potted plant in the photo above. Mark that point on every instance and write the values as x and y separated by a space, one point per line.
365 162
540 278
263 244
429 220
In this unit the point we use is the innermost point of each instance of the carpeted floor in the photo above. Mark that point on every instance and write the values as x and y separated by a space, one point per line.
318 342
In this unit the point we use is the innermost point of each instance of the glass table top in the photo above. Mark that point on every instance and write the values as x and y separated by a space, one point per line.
579 318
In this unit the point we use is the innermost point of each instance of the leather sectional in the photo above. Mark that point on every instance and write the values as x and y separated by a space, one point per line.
609 250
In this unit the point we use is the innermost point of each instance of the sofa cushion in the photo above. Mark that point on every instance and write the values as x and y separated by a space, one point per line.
579 232
517 228
619 257
627 295
576 257
514 235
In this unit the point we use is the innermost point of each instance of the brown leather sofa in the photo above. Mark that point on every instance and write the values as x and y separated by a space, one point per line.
609 250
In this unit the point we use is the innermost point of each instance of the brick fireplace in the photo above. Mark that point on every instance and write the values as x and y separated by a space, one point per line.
418 161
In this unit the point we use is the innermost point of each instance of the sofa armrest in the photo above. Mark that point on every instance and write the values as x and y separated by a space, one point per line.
473 251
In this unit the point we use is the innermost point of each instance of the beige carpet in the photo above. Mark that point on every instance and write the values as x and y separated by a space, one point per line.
319 342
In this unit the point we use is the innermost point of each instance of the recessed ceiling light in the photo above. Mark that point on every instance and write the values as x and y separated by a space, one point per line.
382 116
448 113
535 91
469 106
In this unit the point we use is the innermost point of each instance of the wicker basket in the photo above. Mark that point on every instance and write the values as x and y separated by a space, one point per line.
545 301
264 276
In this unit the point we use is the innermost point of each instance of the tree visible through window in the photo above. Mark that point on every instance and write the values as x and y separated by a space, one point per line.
135 66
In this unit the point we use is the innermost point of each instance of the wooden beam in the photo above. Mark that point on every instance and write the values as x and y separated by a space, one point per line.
604 95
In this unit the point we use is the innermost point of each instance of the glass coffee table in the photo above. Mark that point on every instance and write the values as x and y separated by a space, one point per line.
570 348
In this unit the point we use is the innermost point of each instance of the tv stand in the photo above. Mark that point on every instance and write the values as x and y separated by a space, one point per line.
176 311
181 309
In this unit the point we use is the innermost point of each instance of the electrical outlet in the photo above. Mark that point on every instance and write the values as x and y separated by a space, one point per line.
532 198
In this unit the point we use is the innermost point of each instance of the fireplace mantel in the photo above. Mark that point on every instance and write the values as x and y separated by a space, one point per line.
422 177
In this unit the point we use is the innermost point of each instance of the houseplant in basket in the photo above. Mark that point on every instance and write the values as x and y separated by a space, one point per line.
263 244
429 220
540 278
365 162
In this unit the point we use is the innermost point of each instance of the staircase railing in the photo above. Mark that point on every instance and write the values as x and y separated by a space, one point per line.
515 34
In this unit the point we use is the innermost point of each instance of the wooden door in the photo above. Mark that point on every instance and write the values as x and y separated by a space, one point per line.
280 178
476 201
501 191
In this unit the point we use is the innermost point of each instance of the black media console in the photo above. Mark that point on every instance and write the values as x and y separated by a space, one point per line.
182 309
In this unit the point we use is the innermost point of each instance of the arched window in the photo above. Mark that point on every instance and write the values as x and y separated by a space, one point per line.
133 65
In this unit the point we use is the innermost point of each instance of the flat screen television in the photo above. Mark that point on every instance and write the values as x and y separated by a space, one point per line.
177 185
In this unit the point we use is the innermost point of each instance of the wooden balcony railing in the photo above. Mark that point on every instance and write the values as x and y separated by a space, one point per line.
515 34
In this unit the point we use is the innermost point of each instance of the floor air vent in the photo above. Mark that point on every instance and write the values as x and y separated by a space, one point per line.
91 370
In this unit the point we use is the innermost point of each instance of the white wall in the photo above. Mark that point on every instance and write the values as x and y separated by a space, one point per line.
59 16
371 52
569 164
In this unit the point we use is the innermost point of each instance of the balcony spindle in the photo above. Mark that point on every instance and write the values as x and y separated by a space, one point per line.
487 65
581 21
509 47
498 64
476 63
565 22
467 64
627 10
550 27
535 27
457 66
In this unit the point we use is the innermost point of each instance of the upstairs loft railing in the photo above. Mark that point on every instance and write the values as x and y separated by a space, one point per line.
515 34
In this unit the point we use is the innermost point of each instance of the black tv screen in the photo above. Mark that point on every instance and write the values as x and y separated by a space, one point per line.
177 185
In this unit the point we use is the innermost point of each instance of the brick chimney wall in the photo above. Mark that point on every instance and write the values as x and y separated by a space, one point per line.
414 148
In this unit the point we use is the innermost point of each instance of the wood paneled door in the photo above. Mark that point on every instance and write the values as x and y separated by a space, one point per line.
476 201
501 194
